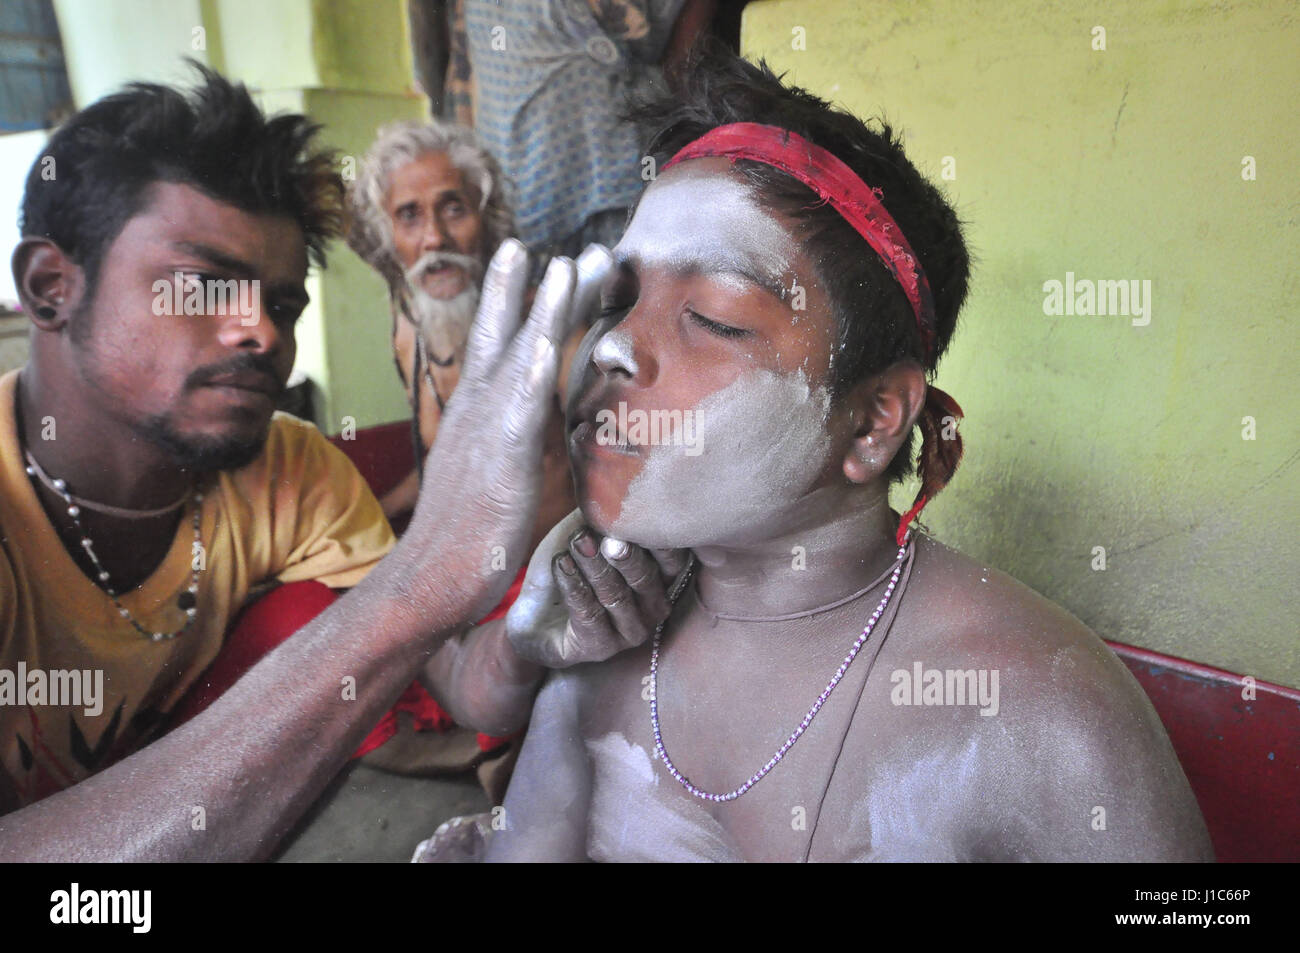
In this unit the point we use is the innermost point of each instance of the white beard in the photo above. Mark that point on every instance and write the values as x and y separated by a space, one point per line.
444 323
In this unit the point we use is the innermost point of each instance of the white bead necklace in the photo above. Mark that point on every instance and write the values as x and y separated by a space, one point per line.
187 600
662 753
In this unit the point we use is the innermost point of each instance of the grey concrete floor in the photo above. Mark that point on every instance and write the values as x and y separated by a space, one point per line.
368 815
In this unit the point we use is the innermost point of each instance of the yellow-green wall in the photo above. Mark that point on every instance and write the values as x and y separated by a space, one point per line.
1126 163
345 63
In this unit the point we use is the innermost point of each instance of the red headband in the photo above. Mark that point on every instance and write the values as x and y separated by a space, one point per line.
859 205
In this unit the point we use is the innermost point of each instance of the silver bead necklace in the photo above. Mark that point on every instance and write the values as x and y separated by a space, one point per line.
187 600
84 504
662 753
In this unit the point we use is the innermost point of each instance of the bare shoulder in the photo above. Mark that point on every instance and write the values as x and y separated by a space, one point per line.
1022 734
959 608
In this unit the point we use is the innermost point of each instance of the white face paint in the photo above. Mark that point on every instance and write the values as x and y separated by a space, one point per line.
762 444
711 221
614 349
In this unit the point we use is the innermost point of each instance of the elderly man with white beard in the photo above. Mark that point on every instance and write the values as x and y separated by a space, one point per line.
428 210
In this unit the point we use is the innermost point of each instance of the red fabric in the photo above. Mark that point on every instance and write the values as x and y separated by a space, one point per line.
258 629
421 706
835 183
860 205
939 455
283 611
382 454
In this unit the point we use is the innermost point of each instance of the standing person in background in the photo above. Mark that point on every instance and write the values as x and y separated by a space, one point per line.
544 82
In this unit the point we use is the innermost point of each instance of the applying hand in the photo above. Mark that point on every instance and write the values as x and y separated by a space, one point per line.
585 600
472 523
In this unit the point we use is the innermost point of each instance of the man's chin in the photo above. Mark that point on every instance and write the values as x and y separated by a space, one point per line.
204 453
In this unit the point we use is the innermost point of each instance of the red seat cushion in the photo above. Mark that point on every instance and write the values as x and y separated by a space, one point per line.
381 454
1241 754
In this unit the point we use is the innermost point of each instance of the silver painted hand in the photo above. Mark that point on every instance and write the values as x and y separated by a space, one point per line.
585 600
470 529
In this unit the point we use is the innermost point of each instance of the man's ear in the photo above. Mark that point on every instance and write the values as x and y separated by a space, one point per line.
883 410
48 282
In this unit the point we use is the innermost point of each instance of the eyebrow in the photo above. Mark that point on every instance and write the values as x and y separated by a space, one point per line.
215 256
293 290
716 261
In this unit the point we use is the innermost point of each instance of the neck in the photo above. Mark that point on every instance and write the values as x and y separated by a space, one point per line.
98 457
845 539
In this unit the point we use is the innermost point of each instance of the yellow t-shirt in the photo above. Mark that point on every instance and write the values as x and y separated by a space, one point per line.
299 511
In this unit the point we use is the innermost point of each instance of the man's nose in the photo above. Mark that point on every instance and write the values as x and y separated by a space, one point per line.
435 237
250 328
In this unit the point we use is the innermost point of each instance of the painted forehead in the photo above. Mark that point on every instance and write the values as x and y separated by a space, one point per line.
707 222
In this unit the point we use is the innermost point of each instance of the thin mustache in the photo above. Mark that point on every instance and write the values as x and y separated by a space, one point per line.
204 376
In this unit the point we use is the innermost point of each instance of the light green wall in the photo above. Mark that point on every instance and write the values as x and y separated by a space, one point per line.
347 64
265 43
357 50
363 381
106 44
356 45
1123 163
18 151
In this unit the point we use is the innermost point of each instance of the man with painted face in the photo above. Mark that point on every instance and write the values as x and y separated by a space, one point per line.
831 684
146 488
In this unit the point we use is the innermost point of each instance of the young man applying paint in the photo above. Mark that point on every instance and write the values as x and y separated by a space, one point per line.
147 487
792 281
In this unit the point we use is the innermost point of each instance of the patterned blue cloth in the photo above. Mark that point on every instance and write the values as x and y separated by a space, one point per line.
550 81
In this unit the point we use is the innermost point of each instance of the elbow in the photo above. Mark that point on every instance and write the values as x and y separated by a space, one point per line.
497 720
